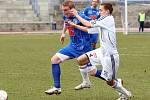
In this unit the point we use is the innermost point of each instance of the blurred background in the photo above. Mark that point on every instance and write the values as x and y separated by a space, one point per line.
46 15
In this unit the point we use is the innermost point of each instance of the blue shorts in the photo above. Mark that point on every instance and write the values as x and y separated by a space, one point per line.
94 38
70 51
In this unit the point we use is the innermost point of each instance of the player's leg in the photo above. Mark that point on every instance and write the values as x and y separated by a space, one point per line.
55 61
88 58
142 26
94 58
84 73
110 66
91 59
59 57
86 81
117 84
139 26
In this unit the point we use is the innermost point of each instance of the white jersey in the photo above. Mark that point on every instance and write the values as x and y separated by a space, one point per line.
105 26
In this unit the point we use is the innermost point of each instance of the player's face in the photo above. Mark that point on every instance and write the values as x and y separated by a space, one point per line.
66 11
94 4
103 12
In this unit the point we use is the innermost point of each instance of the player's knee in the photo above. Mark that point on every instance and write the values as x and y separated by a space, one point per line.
92 72
82 60
79 62
55 60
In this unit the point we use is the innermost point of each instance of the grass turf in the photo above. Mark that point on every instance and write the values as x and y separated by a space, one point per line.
25 71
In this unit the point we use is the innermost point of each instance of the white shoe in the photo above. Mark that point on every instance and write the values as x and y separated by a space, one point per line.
119 87
83 85
122 97
53 90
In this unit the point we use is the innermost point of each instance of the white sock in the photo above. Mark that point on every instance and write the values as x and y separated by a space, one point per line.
84 74
118 87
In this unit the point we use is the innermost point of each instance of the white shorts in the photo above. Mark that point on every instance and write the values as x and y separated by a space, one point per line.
63 58
110 63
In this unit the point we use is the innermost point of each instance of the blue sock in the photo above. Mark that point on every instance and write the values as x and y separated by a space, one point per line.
98 74
56 75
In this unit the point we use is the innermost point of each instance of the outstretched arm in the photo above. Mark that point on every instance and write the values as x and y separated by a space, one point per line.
83 21
83 28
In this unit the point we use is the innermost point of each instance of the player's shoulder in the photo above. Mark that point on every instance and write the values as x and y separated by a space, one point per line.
110 18
88 7
80 13
84 16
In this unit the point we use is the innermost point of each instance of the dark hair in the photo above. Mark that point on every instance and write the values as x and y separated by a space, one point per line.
108 6
68 3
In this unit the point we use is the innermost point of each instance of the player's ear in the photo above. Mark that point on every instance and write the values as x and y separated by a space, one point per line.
107 12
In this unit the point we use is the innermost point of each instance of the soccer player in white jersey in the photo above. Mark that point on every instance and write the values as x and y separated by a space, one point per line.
107 55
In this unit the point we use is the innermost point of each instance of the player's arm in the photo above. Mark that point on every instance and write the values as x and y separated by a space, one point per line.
85 29
93 23
87 23
63 34
85 11
64 29
83 21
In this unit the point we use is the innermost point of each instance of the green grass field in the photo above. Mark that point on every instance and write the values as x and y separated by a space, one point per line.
25 71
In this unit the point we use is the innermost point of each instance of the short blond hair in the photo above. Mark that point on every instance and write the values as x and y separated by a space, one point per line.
69 3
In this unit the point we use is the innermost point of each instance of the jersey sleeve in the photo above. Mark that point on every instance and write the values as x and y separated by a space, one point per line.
85 11
106 23
85 17
93 30
98 23
103 23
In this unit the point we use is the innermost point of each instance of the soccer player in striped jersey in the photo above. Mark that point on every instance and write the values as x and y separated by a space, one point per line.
80 43
107 55
93 13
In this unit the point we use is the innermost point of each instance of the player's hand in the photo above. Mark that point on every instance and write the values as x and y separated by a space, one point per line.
62 38
71 23
66 23
74 12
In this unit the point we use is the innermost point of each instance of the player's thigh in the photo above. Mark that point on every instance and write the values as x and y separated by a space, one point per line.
109 67
94 56
63 54
82 60
116 57
62 57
